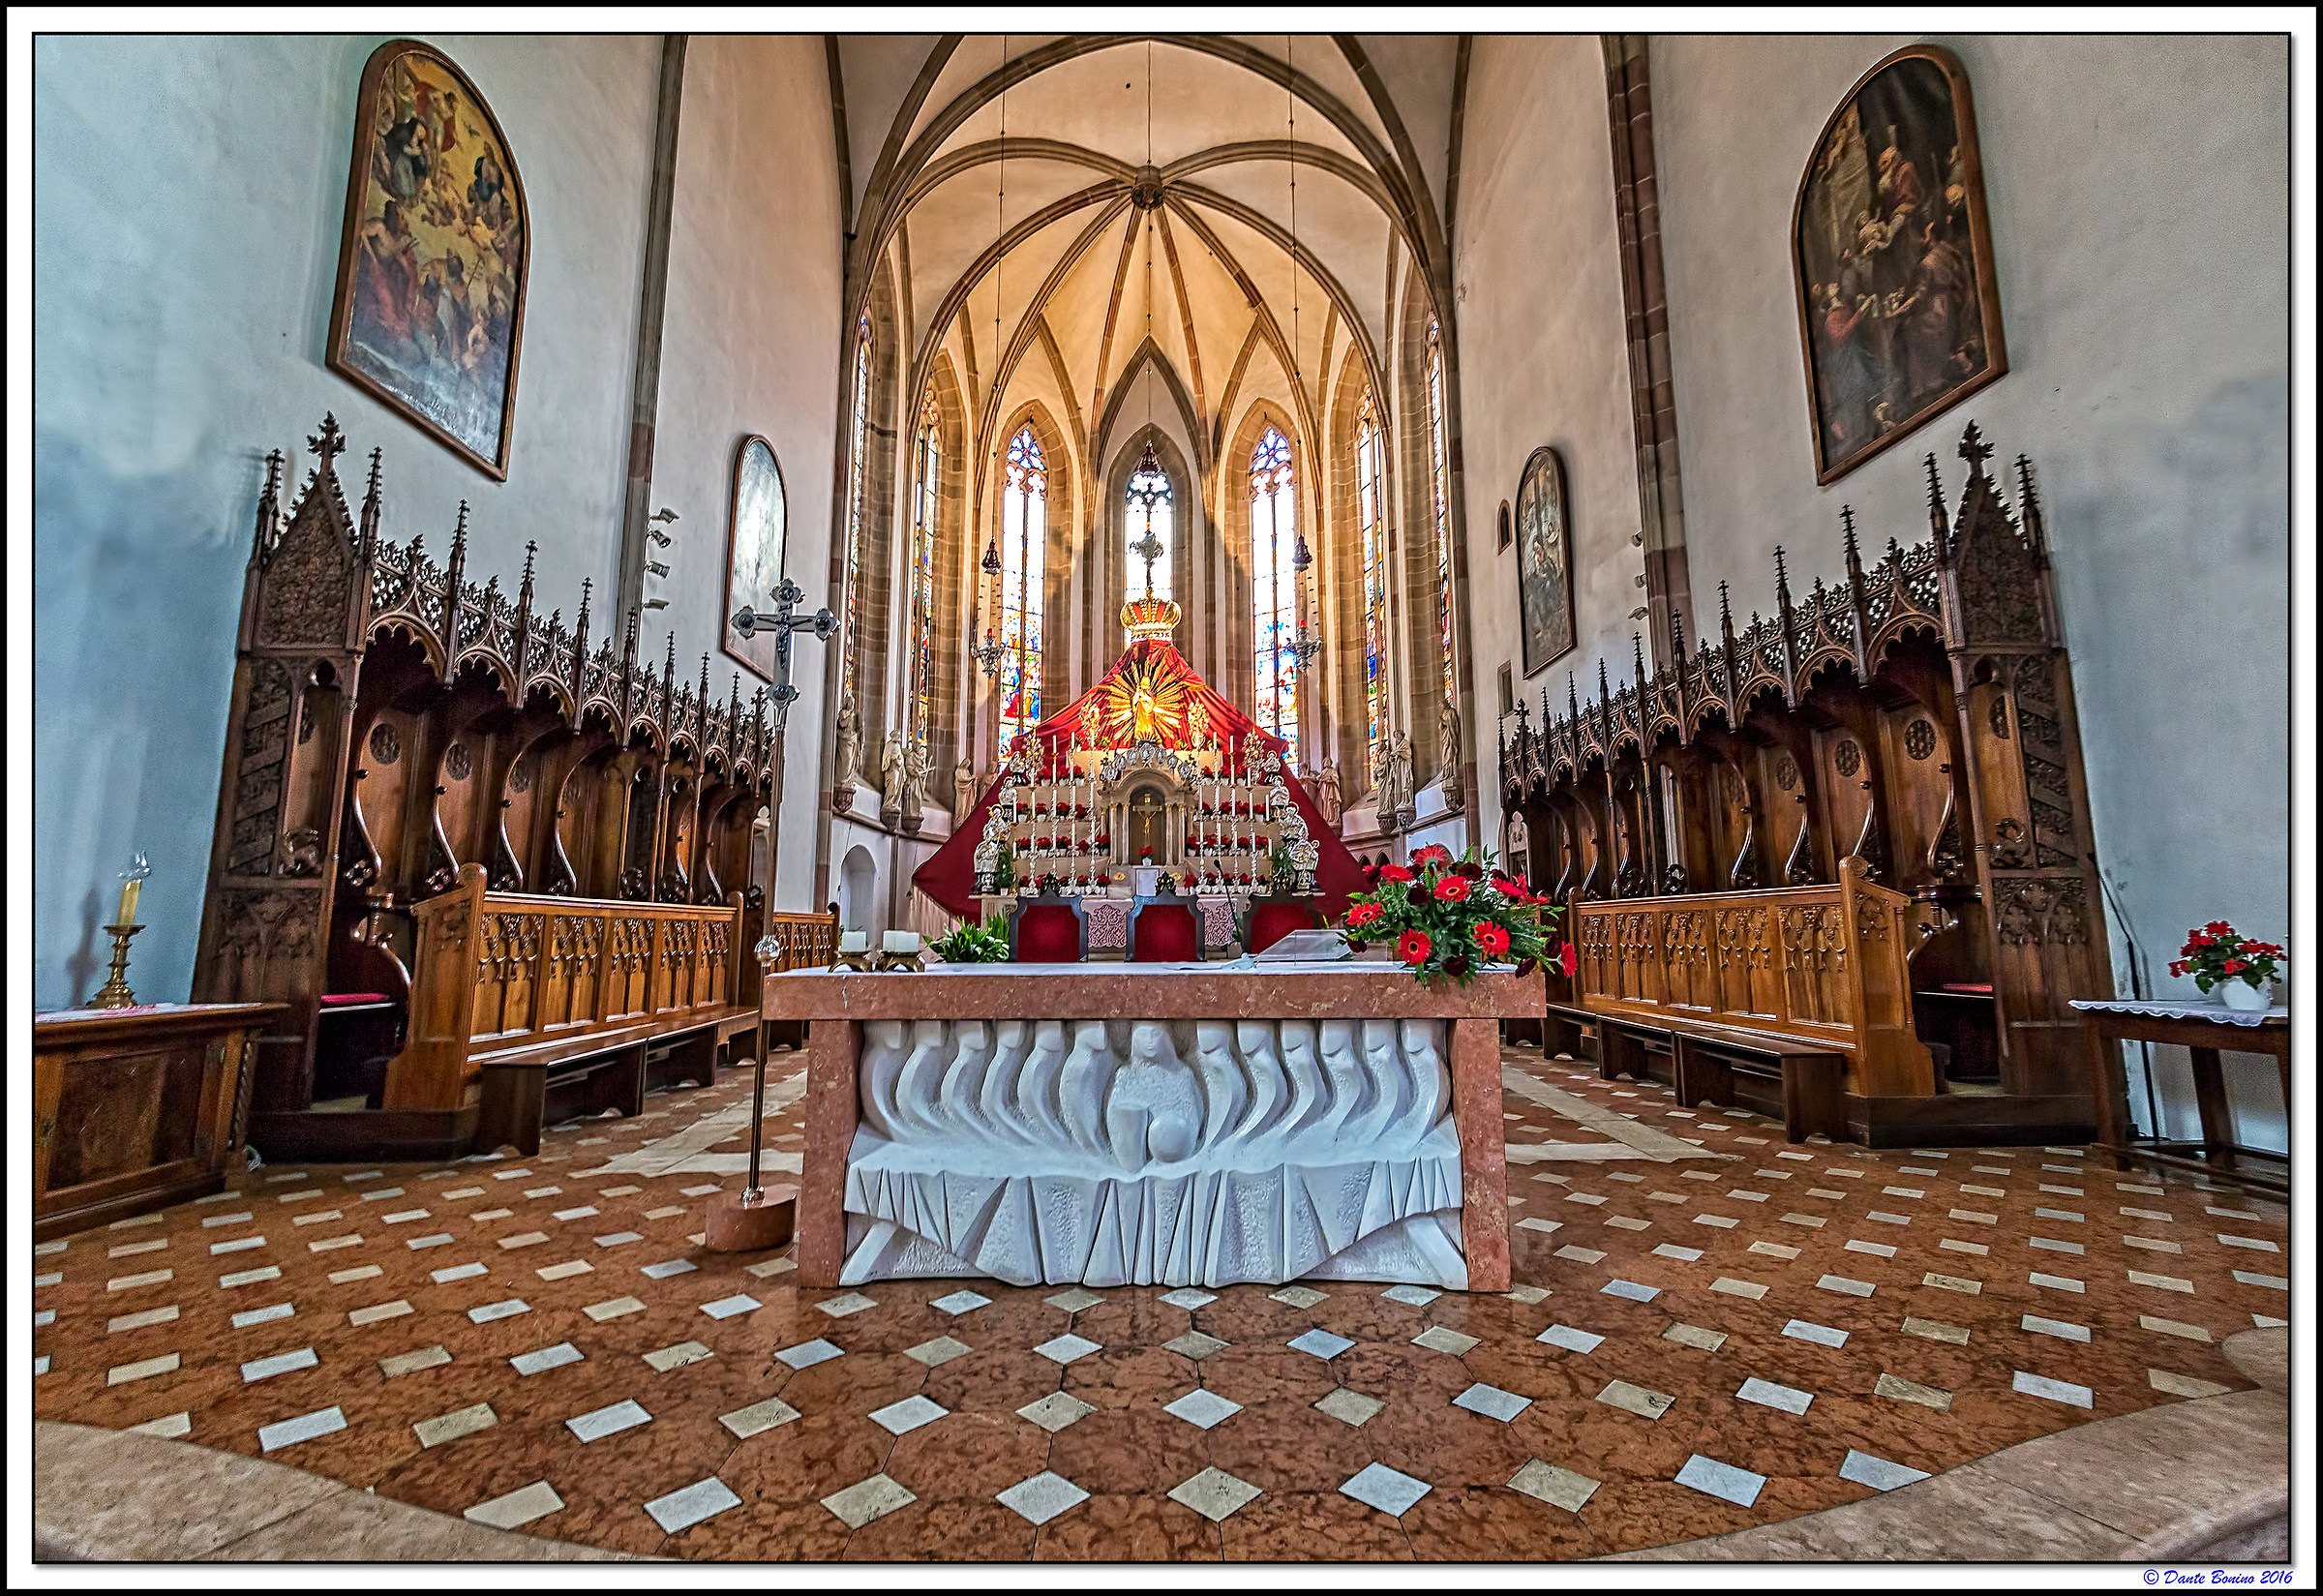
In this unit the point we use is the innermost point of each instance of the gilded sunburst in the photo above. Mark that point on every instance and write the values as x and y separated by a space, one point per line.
1145 701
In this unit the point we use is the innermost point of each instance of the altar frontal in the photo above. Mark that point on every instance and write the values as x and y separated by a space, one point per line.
1163 1125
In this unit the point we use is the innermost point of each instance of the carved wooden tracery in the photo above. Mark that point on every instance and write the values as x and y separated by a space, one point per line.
1918 718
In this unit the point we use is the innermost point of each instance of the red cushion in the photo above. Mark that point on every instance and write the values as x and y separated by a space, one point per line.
1164 933
331 999
1271 923
1048 933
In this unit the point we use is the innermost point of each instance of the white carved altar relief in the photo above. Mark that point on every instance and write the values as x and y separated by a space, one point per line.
1145 1152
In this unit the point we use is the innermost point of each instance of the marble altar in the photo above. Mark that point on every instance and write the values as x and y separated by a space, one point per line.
1180 1125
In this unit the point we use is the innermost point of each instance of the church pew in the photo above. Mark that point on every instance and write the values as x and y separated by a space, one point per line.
1824 966
513 994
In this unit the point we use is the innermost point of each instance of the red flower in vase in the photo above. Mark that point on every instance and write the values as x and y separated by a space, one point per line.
1396 872
1413 948
1366 914
1452 890
1567 962
1433 854
1490 940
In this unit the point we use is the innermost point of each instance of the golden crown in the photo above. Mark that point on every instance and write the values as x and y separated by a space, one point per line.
1150 617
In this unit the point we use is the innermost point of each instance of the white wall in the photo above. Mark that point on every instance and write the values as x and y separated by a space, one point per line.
750 345
187 209
1543 360
2138 192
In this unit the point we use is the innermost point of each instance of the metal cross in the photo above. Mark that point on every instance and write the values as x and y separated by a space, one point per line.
782 624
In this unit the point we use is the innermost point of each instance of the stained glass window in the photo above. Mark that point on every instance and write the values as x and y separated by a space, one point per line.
859 434
1439 502
923 566
1150 510
1370 515
1023 536
1274 587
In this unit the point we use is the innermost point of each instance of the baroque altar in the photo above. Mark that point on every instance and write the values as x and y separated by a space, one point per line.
1150 775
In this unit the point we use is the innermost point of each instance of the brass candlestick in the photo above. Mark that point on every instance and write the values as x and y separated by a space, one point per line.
115 992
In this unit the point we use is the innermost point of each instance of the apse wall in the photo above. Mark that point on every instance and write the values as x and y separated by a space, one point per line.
189 192
2139 198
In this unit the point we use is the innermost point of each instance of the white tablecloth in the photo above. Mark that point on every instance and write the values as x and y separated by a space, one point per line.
2199 1009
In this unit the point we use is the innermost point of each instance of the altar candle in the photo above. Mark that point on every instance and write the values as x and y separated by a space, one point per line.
133 883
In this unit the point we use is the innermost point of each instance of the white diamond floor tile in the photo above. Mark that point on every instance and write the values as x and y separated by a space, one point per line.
1215 1495
1385 1489
1202 1409
1042 1497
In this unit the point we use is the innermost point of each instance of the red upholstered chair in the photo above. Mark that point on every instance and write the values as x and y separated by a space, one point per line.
1166 930
1048 930
1274 919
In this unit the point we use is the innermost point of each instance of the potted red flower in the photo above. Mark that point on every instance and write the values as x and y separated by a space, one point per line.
1447 916
2229 966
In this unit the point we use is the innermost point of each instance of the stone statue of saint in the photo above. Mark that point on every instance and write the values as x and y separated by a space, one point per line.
964 790
1447 743
915 784
890 774
851 742
1325 783
1395 781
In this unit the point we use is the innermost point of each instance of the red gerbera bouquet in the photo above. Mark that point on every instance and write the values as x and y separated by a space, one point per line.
1446 916
2218 953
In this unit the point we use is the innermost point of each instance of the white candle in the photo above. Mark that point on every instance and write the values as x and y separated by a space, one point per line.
855 942
899 941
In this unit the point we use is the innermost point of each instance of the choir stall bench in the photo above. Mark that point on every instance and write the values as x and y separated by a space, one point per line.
544 1010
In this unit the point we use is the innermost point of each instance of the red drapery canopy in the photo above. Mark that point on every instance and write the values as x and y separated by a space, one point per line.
1150 692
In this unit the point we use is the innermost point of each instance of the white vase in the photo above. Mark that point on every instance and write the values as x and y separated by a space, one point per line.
2239 994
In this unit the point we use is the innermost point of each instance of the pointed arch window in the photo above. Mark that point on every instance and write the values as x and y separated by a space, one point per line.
1371 514
1023 540
925 499
1151 515
1274 587
1440 505
857 436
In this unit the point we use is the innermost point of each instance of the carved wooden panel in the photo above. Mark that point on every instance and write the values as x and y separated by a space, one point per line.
1827 962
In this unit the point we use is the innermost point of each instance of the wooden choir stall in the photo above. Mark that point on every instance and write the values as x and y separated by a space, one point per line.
497 870
1838 865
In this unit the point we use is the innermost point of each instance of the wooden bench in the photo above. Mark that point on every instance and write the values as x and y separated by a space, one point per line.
1806 1077
527 1005
549 1083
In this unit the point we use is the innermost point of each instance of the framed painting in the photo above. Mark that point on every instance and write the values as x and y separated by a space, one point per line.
428 317
757 527
1544 561
1899 317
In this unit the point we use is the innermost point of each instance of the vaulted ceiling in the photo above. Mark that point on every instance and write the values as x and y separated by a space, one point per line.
1045 206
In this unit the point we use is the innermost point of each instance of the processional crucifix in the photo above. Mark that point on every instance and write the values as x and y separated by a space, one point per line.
752 1223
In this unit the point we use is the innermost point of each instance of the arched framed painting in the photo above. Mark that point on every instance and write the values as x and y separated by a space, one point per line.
1899 317
429 317
1544 561
756 528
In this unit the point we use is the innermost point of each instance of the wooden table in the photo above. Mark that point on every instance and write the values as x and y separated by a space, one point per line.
2217 1154
134 1109
838 1006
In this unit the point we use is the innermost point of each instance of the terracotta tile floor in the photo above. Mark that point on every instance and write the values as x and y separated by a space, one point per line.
1748 1332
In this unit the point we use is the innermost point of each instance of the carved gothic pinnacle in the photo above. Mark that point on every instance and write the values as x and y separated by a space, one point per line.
1855 561
1782 580
270 508
1726 615
367 532
1974 449
2030 501
1936 510
1637 658
327 442
1678 640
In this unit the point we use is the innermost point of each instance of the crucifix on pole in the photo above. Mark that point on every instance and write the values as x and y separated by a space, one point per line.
758 1219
